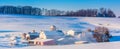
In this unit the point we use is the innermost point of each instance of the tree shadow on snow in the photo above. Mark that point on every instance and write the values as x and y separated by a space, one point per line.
115 38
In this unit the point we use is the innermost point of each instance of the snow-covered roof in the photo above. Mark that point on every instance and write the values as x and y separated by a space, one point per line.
54 33
43 40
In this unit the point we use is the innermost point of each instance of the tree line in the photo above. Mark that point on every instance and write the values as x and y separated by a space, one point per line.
102 12
29 10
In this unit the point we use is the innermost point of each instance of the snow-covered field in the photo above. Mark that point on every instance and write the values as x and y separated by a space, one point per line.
17 24
112 45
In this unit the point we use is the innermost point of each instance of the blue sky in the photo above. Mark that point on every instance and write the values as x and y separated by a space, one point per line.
66 4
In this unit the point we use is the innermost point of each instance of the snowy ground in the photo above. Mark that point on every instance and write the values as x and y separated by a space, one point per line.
112 45
17 24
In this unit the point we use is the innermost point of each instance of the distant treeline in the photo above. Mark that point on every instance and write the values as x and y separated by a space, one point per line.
102 12
29 10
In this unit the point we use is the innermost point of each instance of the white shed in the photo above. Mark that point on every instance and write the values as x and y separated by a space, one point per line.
71 33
